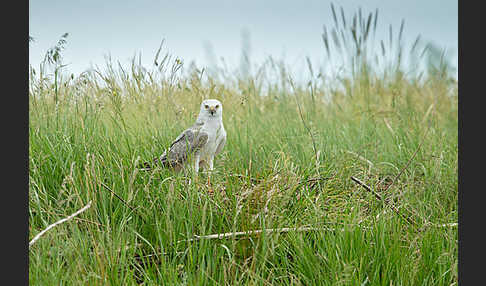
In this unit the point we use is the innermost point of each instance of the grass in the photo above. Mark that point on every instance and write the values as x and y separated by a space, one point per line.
288 161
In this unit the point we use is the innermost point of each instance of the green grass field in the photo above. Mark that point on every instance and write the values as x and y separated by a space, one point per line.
290 154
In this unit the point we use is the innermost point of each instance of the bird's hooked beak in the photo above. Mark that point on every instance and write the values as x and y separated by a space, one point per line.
212 110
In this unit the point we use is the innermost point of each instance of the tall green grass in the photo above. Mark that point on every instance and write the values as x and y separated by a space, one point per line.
292 148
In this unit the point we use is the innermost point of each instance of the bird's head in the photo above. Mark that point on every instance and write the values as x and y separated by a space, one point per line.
211 108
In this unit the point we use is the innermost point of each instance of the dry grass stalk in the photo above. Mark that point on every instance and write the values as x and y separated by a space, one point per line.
251 232
59 222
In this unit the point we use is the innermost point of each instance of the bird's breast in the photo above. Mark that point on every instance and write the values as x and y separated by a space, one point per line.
215 132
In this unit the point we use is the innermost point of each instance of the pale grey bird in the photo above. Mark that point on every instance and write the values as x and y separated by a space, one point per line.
199 144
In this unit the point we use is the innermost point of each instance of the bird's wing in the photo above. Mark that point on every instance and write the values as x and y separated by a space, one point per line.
189 141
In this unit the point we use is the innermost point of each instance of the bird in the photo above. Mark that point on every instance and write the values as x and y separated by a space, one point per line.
197 145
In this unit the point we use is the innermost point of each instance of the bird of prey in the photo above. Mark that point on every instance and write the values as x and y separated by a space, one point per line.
198 144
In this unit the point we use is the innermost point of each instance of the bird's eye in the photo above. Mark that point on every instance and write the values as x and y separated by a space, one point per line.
206 106
217 106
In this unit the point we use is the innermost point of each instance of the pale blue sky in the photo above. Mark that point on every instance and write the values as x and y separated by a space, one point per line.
279 28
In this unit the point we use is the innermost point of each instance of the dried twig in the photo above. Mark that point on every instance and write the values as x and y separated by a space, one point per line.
392 182
76 219
266 231
59 222
408 163
123 201
452 224
251 232
392 206
117 196
367 188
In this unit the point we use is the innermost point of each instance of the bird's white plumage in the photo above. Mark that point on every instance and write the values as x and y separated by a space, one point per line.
211 115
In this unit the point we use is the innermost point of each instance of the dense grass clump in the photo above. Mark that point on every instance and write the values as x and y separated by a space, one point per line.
292 148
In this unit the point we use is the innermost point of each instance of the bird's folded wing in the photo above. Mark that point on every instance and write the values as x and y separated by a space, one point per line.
189 141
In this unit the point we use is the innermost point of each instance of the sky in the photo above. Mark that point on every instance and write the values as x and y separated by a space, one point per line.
200 30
